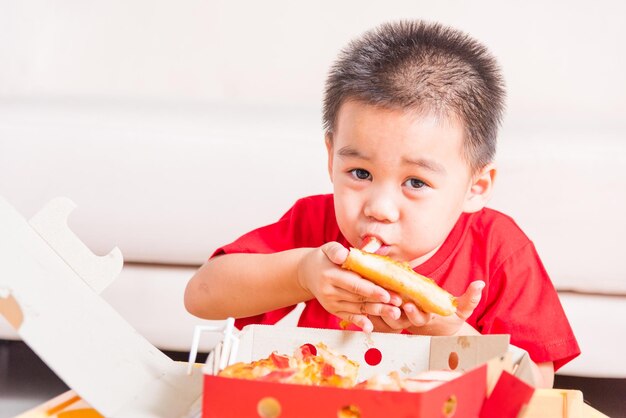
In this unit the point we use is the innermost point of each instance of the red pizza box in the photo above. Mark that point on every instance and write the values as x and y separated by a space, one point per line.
225 397
376 353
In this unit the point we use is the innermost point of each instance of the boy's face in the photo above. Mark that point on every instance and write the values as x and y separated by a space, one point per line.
399 176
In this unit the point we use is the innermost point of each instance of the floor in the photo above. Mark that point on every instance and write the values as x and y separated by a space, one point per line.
25 382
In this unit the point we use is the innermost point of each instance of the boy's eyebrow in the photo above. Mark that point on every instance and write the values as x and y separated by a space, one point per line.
349 151
435 167
427 164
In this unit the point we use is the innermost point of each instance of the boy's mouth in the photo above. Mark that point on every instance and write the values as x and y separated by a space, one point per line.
384 250
375 245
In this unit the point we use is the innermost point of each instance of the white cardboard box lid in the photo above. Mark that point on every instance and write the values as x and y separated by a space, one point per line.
49 285
407 354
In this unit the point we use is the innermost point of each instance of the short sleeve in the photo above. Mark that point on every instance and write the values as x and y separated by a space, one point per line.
521 301
303 225
265 240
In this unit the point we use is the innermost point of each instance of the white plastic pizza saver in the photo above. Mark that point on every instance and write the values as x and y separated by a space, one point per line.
224 353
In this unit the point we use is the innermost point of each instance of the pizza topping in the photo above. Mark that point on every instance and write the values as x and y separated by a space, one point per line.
327 370
305 352
318 366
310 365
277 375
281 362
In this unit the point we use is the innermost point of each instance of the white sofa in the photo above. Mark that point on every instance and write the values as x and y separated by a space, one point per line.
171 146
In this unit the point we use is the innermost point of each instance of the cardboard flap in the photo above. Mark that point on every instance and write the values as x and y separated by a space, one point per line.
522 370
51 224
407 354
557 403
495 367
465 352
77 333
508 398
522 365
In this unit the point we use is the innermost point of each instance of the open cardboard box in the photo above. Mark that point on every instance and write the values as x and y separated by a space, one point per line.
463 396
49 292
496 380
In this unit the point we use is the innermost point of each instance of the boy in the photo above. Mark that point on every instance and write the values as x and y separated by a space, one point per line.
411 113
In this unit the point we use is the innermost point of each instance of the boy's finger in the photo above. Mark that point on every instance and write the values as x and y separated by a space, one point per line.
397 323
368 291
390 324
347 296
335 252
376 309
395 298
380 324
468 301
361 321
417 317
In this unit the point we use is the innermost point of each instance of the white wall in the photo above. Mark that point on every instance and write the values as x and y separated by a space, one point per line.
130 70
564 60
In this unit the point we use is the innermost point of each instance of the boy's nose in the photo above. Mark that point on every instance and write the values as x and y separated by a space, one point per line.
382 208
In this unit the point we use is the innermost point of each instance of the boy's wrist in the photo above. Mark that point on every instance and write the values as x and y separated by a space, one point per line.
466 329
301 271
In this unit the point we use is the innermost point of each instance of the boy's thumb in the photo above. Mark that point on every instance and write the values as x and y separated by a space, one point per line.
467 302
335 252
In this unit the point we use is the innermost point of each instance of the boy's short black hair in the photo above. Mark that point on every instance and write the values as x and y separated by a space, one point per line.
425 67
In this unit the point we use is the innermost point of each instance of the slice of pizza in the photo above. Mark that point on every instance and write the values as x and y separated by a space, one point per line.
310 365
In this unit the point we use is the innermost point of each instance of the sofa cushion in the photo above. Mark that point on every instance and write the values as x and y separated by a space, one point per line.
566 190
164 184
170 184
593 319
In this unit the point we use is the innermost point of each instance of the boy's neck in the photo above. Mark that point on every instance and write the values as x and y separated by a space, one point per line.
421 260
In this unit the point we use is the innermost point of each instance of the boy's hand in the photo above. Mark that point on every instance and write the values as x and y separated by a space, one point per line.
342 292
420 322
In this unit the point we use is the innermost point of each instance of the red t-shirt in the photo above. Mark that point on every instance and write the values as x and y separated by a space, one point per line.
519 298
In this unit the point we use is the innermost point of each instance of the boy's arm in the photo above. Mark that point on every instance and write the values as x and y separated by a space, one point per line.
242 285
546 374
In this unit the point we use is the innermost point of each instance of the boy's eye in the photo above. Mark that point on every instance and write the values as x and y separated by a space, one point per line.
360 174
415 183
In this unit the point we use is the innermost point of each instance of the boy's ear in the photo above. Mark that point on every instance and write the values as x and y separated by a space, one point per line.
481 188
329 149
